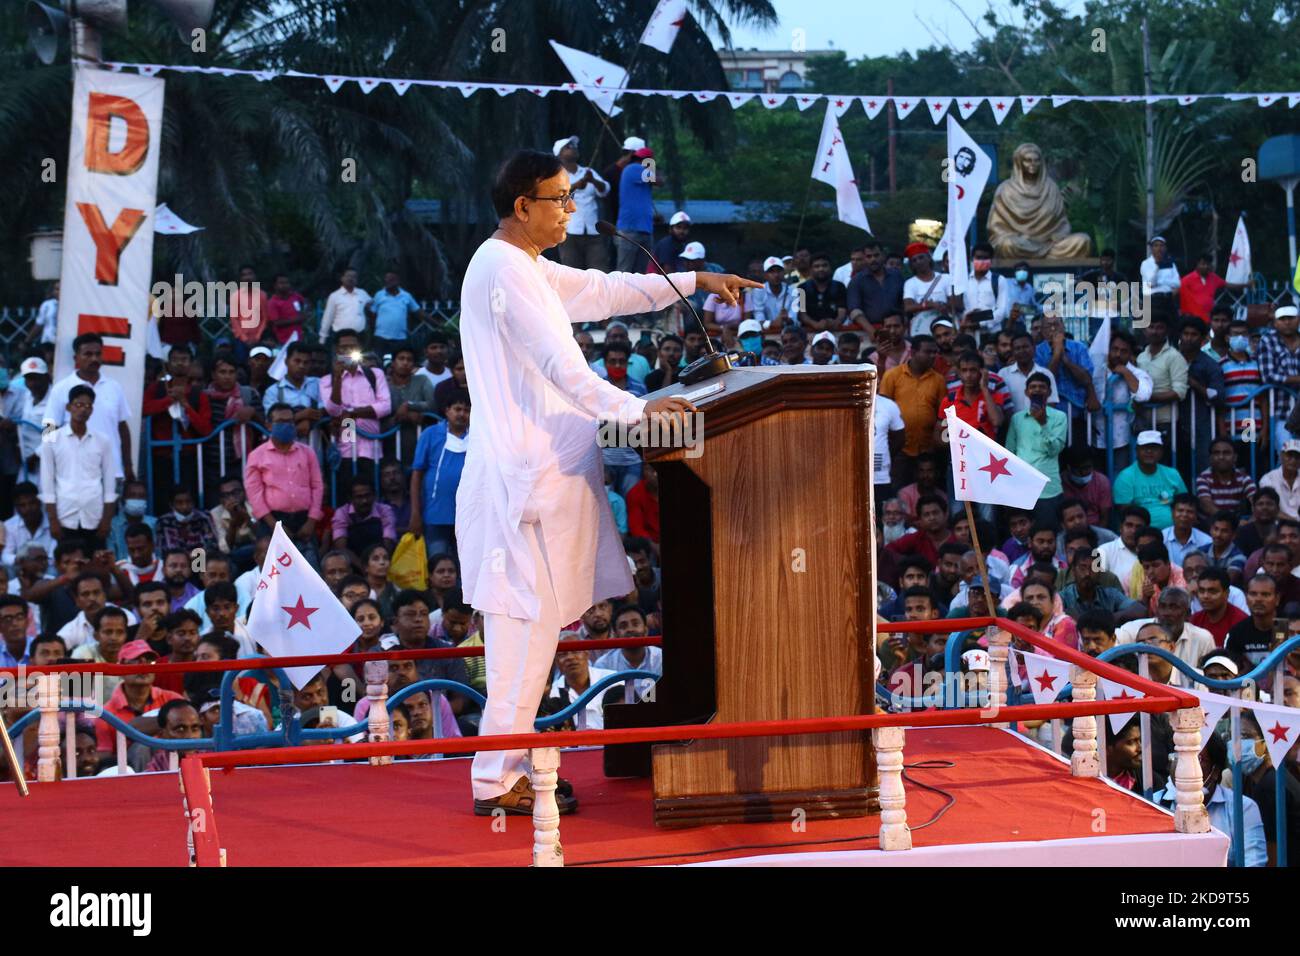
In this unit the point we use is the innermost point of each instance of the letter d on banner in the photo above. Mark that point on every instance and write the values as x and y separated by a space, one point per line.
108 226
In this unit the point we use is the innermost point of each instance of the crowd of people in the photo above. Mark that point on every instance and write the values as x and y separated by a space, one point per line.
1154 526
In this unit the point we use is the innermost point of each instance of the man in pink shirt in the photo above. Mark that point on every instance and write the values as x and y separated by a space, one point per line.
286 310
356 398
248 310
282 482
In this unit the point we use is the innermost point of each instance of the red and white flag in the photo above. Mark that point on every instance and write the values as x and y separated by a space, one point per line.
1281 726
1213 707
967 174
1047 676
984 471
595 75
294 612
1239 271
665 22
832 166
1112 690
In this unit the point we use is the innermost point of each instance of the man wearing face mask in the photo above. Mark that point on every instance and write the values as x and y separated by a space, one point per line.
751 344
1015 297
1213 762
282 481
982 288
135 504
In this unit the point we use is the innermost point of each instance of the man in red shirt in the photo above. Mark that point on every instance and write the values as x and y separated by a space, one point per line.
643 506
1198 288
286 310
976 405
134 697
1216 615
933 533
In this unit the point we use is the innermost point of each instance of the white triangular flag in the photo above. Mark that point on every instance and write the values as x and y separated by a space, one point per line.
1112 690
968 172
840 104
264 75
1027 103
1239 270
334 82
168 223
968 105
1213 707
1047 676
738 100
1001 106
903 105
665 22
280 367
592 71
803 102
401 86
1281 727
295 613
468 89
873 105
1059 101
369 83
506 90
938 106
832 166
773 100
705 96
148 69
1292 99
1187 100
1267 99
1099 350
982 470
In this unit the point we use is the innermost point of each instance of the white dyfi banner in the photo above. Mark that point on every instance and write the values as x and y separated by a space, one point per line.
967 172
1239 271
833 166
661 31
589 71
108 224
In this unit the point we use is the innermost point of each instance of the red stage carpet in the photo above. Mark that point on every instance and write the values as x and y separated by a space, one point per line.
417 813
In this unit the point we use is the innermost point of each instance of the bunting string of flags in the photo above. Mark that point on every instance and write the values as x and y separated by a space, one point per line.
936 107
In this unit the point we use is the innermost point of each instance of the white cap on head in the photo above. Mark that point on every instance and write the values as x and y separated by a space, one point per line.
679 216
616 324
693 250
823 337
773 262
938 322
33 366
1285 312
561 143
750 325
634 142
1227 663
260 350
1291 444
1150 437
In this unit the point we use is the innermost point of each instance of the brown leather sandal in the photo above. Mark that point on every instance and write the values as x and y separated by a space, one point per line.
519 800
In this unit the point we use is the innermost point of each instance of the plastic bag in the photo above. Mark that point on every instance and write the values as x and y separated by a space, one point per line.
410 566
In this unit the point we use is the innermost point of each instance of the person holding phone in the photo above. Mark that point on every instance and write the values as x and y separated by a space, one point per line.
1038 435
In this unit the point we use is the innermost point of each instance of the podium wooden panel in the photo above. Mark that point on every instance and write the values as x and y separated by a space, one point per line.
768 597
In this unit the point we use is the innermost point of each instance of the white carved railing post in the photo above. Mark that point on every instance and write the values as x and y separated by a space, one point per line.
1190 815
1084 762
47 733
545 763
999 649
379 726
894 831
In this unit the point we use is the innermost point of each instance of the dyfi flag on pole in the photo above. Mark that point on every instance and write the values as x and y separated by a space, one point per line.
294 612
667 19
832 166
1239 259
588 70
968 172
280 367
984 471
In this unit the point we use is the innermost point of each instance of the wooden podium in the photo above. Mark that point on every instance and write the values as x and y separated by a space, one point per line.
767 555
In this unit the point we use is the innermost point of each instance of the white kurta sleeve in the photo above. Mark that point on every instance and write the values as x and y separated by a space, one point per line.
531 337
590 295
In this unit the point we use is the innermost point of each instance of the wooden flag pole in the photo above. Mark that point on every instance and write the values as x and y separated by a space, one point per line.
979 559
14 765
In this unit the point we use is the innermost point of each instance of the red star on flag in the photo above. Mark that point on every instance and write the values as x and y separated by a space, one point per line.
1234 258
1278 731
299 614
905 104
598 79
1267 98
1002 106
1030 100
771 99
996 466
871 103
803 99
1046 681
936 106
966 105
1123 695
839 102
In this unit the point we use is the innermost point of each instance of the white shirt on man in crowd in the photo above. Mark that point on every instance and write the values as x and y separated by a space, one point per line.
77 477
934 289
344 310
587 210
111 409
592 715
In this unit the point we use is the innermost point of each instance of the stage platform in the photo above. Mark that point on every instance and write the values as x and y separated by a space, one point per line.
1015 805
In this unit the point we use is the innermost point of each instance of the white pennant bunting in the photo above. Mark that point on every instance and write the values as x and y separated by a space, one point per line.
264 75
873 105
1281 726
938 106
1187 100
1027 103
1047 675
1267 99
505 90
903 105
773 100
1213 707
675 94
469 89
1001 106
840 104
737 100
1059 101
1292 99
803 102
334 82
1112 690
368 84
401 86
968 105
148 69
705 96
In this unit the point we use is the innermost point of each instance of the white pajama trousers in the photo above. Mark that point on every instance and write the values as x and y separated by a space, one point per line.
520 657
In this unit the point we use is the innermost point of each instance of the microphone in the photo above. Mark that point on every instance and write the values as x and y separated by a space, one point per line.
707 366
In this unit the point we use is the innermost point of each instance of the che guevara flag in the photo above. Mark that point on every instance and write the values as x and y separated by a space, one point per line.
984 471
295 613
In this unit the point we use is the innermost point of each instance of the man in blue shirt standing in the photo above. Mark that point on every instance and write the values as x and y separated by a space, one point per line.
391 309
1071 366
636 209
435 476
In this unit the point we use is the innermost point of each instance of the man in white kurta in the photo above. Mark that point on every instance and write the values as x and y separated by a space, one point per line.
537 539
